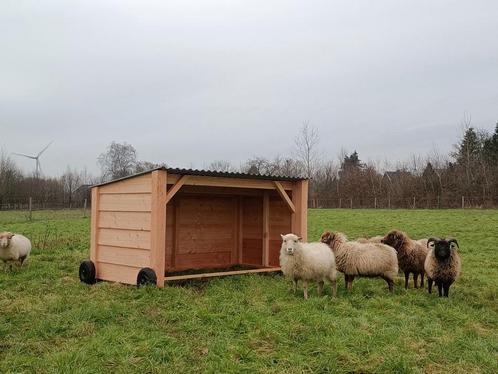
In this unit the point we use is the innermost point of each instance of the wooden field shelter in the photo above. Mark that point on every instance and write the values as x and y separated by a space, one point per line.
183 220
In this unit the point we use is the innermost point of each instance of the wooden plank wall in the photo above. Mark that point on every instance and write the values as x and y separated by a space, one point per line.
252 230
204 232
280 223
122 220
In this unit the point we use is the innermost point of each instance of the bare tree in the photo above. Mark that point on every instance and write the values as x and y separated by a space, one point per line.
306 144
118 161
71 180
142 166
221 165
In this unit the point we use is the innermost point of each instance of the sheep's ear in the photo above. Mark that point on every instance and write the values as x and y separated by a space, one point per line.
453 243
431 242
10 235
282 236
299 238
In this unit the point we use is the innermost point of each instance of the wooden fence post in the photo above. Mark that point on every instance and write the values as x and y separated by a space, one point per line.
413 202
375 202
463 202
30 208
389 202
351 202
340 203
438 202
84 208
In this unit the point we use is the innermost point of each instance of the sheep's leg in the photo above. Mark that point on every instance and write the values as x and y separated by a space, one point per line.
446 289
422 279
429 284
320 288
334 288
407 279
305 287
390 283
349 282
294 285
440 288
415 280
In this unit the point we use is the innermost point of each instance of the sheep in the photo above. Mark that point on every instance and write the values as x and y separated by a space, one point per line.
307 262
14 248
362 259
442 265
411 255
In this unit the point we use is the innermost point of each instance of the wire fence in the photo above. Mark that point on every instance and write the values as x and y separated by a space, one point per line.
31 205
463 202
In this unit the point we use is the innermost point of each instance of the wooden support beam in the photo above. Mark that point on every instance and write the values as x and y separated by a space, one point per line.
220 274
262 184
173 190
94 225
266 229
158 225
284 196
240 233
300 217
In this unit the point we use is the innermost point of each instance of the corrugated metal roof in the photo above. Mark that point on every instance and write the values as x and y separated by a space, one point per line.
211 173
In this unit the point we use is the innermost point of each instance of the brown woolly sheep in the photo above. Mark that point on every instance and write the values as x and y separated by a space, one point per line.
443 264
362 259
411 255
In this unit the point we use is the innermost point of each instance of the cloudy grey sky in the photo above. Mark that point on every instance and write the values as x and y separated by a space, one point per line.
187 82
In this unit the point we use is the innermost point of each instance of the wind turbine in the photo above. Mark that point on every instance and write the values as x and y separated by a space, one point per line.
36 158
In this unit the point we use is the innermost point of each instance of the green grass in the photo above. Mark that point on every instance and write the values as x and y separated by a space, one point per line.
50 322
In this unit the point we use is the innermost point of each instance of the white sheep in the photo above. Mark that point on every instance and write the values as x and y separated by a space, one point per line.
14 248
307 262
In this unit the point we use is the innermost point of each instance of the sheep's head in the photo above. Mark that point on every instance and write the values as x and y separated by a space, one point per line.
289 243
5 238
395 239
328 237
442 247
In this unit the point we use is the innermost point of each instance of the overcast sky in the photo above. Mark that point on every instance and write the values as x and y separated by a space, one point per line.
187 82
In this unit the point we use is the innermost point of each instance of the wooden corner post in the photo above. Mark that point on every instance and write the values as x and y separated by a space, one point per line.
94 229
158 224
266 229
300 217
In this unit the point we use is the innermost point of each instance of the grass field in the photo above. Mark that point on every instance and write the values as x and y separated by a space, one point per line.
51 323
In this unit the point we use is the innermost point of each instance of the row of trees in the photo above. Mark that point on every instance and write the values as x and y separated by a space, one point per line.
471 170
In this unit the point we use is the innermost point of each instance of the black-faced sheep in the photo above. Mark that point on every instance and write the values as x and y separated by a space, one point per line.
362 259
307 262
14 248
411 255
443 264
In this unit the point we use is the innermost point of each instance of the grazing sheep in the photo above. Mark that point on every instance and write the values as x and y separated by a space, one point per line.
307 262
14 248
443 264
373 239
362 259
411 255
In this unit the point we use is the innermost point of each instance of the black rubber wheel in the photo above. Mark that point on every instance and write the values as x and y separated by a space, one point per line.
146 276
87 272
